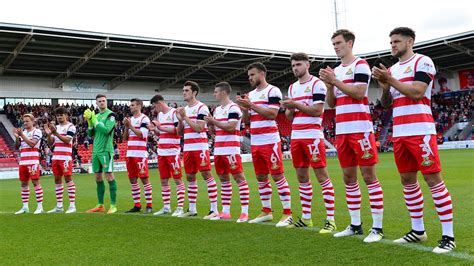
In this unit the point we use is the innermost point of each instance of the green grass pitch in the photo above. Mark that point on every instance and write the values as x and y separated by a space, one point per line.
139 239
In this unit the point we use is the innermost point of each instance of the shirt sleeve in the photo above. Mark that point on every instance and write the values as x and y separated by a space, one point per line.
274 98
202 112
71 131
425 70
144 126
319 92
362 73
234 113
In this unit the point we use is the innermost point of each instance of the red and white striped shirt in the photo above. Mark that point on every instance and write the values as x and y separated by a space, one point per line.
195 141
412 117
264 131
227 143
63 151
309 93
136 146
30 155
353 116
168 144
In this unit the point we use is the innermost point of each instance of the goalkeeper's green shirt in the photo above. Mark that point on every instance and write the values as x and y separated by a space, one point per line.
103 132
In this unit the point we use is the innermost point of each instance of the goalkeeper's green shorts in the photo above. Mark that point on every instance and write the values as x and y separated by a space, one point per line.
103 162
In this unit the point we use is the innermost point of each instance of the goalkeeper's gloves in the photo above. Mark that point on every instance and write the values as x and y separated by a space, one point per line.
93 119
87 115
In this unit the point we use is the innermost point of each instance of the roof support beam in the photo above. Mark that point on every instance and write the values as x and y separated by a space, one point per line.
138 67
460 48
79 63
12 56
188 71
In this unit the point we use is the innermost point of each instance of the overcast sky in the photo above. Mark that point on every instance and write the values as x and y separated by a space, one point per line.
291 25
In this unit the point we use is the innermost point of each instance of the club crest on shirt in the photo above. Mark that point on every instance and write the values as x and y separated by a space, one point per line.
349 72
225 113
168 118
262 96
307 89
407 70
194 111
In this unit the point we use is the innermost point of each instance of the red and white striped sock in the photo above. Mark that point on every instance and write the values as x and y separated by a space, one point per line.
25 196
59 195
353 199
244 196
148 191
285 195
180 191
136 195
212 193
306 196
328 196
39 195
192 196
71 192
166 195
265 191
226 196
376 203
414 201
444 207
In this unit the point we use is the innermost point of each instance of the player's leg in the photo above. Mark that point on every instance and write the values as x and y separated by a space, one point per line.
301 152
180 195
71 191
274 161
205 169
38 191
244 194
348 161
376 203
132 170
97 168
148 192
25 189
327 190
191 168
264 186
223 171
58 172
109 175
165 193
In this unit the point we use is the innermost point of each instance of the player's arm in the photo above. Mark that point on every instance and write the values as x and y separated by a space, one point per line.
330 96
289 113
138 131
197 126
414 91
17 138
31 142
107 127
180 127
227 126
355 91
170 130
245 115
66 139
270 113
387 98
125 133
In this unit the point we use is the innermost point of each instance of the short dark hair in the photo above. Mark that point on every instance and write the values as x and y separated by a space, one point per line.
138 101
61 111
194 86
157 98
224 86
100 96
404 31
346 34
299 57
258 65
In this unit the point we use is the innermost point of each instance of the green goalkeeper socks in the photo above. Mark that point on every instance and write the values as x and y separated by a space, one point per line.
100 192
113 192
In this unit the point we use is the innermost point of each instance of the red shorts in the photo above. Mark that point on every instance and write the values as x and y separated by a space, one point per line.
28 172
137 167
228 164
169 166
195 161
356 150
62 168
267 159
306 152
417 153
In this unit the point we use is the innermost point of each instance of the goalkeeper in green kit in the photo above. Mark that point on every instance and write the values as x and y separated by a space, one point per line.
101 128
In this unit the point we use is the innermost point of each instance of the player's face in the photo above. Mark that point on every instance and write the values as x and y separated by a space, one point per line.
101 102
188 94
218 94
341 47
399 44
300 68
61 118
255 77
27 123
157 106
134 107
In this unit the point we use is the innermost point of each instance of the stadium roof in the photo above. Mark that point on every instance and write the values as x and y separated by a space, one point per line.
63 54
